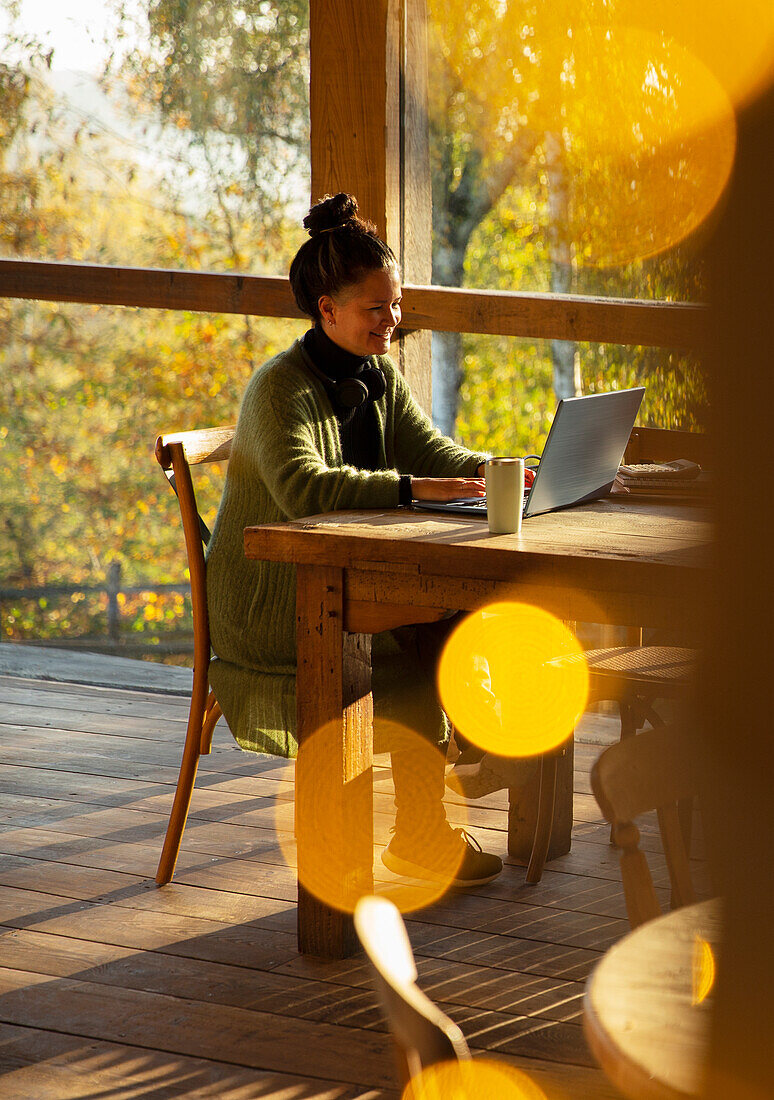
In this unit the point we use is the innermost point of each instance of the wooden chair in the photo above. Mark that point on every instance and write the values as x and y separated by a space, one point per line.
666 444
176 454
423 1035
657 770
635 676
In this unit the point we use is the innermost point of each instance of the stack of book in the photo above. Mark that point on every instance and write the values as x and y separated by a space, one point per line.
680 479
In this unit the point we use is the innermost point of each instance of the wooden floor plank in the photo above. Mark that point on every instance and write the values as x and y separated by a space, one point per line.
456 987
268 874
255 945
47 1065
178 1025
262 897
121 765
65 719
110 983
259 1040
277 994
213 803
87 700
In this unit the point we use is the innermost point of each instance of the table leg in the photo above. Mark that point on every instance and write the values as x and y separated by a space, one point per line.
333 688
531 839
523 811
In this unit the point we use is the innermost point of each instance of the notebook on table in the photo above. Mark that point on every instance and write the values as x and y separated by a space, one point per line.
580 459
679 479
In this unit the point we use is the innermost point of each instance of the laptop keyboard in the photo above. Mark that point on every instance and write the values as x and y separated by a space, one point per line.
478 504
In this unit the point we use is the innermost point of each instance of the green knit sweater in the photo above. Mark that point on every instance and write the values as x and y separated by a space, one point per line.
286 462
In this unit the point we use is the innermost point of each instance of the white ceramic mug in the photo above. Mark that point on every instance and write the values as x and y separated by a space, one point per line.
504 494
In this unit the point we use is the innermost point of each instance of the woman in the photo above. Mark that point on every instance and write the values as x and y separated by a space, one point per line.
330 424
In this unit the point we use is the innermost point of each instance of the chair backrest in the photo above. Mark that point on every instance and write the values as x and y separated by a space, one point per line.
176 453
652 771
665 445
423 1035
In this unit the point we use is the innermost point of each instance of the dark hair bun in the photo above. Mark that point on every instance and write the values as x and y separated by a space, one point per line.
342 249
331 212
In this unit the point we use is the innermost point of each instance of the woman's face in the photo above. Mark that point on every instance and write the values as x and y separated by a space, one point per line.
363 318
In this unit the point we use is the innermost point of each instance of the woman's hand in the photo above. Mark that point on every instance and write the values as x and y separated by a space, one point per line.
446 488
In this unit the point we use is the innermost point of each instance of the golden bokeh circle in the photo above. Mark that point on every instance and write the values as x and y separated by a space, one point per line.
702 970
340 873
482 1078
513 679
736 43
640 141
626 111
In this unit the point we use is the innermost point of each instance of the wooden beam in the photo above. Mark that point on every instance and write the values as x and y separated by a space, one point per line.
547 316
555 316
154 288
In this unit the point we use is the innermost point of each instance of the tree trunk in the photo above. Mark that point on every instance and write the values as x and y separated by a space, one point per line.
567 380
449 247
447 379
457 210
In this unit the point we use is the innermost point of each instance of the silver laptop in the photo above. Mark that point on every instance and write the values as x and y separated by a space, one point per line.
580 459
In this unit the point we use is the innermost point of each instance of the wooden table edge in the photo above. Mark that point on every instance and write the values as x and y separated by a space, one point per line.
633 1079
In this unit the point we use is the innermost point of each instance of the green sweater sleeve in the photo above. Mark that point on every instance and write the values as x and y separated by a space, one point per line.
287 445
288 437
420 449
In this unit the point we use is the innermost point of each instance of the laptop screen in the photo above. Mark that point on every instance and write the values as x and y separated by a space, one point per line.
584 449
580 459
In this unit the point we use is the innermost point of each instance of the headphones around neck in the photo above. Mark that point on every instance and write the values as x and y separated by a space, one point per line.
350 393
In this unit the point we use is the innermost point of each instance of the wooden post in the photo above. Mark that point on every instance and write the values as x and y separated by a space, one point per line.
113 612
523 811
416 193
355 106
368 107
333 778
734 729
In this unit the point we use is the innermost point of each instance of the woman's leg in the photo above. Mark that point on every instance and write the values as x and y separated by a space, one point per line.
410 724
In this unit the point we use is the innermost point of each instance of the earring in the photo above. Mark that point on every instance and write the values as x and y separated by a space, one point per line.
330 322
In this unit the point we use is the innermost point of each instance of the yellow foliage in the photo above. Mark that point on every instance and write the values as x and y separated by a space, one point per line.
630 109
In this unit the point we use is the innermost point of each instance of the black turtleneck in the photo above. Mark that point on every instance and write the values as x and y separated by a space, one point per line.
332 359
359 428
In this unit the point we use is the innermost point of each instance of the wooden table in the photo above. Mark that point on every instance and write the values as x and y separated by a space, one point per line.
362 572
641 1015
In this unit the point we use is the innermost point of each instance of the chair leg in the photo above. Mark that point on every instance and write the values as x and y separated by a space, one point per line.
185 784
629 727
545 817
628 718
212 713
653 716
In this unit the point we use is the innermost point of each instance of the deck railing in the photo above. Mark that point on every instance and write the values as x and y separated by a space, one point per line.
445 309
113 640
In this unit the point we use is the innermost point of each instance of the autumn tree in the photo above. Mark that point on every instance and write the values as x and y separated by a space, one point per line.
85 389
232 80
477 147
598 134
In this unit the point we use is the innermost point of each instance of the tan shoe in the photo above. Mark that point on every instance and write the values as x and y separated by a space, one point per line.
453 857
492 773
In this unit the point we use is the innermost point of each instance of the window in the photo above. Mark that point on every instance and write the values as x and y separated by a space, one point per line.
156 135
